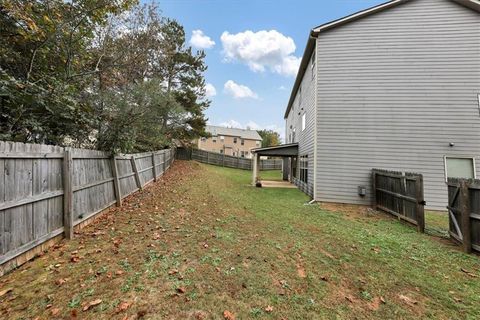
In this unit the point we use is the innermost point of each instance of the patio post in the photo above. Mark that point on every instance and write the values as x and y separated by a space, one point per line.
256 157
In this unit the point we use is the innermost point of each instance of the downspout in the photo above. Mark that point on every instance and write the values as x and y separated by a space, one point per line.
315 141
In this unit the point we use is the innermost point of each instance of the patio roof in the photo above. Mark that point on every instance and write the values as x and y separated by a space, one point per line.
283 150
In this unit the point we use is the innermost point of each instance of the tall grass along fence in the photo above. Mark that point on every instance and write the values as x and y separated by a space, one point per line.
221 159
400 194
464 212
46 191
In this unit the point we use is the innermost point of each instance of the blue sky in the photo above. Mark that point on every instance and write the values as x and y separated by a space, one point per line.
264 60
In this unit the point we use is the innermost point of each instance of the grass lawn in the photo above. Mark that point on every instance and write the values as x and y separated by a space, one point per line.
203 244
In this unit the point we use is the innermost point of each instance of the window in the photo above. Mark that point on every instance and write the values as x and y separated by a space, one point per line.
214 139
242 142
293 135
299 99
204 139
235 140
460 167
313 64
303 120
242 154
257 143
221 150
222 138
304 168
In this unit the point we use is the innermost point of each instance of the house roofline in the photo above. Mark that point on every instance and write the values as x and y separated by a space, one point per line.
314 33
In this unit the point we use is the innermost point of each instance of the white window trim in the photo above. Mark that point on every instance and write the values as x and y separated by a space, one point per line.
304 121
445 157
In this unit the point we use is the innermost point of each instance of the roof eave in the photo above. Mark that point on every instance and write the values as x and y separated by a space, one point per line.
301 70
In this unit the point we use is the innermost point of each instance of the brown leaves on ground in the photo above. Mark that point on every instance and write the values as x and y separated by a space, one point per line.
123 306
227 315
5 291
407 300
91 304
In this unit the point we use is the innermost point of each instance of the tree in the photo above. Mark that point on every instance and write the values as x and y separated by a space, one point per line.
114 75
45 67
270 138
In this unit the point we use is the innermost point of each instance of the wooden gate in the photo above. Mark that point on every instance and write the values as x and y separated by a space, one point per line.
464 212
400 194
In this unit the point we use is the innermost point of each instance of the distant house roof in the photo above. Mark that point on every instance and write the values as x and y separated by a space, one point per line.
233 132
314 33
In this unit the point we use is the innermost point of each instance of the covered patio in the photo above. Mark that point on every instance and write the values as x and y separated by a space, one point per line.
285 151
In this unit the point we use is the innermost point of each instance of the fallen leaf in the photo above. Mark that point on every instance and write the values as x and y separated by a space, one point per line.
93 303
119 272
269 309
181 290
59 282
227 315
173 271
74 259
408 300
324 278
470 273
123 306
382 299
4 292
55 312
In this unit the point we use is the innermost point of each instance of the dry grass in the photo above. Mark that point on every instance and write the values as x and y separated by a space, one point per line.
209 243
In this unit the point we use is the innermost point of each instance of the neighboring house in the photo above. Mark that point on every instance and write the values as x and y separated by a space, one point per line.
230 141
392 87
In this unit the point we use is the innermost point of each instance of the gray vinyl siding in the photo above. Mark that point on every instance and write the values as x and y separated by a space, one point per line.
304 138
394 89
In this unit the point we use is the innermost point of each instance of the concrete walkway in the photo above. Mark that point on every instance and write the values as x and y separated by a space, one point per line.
277 184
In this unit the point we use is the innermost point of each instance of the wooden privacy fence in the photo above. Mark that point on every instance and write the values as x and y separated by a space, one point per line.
47 190
221 159
464 212
400 194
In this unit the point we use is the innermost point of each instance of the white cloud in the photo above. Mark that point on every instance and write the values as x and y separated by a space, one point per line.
200 40
239 91
231 124
262 50
210 90
282 88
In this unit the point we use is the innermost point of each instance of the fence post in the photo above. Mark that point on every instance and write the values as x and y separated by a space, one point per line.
374 190
419 206
154 167
207 158
116 182
68 194
163 162
135 171
223 160
465 216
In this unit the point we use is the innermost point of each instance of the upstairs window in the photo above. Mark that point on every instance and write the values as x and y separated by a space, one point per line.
235 140
242 142
313 59
222 138
214 139
204 139
257 143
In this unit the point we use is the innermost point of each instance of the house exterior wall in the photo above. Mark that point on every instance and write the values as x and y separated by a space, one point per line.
231 148
304 102
394 89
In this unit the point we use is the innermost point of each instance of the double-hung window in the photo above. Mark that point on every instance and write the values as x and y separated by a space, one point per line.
304 168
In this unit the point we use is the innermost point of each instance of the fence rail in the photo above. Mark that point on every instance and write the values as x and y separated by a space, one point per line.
464 212
400 194
221 159
46 191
